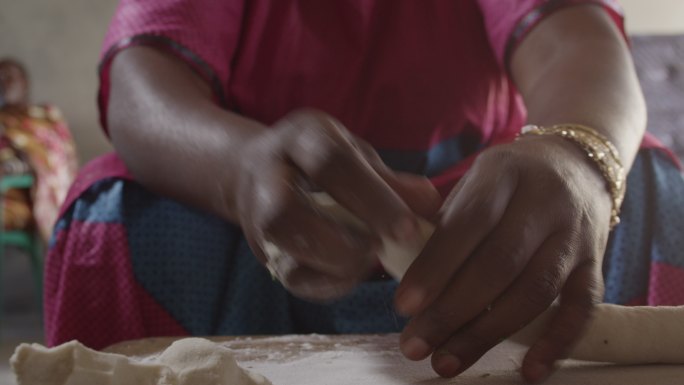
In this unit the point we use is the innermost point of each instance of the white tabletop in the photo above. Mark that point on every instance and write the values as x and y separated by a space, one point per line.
375 359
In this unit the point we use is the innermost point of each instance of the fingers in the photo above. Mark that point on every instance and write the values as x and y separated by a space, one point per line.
529 296
324 151
310 284
416 191
284 216
526 254
580 294
309 148
473 213
320 243
478 283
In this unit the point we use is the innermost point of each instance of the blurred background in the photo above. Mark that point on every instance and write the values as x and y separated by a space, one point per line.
59 42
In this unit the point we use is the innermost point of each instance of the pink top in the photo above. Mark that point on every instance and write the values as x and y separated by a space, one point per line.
425 82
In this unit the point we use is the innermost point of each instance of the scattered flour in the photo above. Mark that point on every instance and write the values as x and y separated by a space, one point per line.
189 361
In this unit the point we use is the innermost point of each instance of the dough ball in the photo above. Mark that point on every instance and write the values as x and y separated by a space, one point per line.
200 361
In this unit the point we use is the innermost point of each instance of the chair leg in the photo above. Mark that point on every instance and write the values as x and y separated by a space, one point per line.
37 267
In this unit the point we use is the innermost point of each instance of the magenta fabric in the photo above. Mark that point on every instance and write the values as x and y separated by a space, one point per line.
507 22
403 75
98 281
208 27
666 285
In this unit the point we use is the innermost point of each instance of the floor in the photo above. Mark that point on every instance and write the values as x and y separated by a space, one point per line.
21 317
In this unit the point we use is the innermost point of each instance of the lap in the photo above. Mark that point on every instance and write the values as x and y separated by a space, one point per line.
198 271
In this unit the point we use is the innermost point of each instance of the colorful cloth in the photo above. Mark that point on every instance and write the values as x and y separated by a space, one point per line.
424 82
39 137
16 203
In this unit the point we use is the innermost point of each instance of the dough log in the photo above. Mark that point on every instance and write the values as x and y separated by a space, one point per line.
619 334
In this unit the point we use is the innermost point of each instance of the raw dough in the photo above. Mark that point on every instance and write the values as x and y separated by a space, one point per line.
395 258
189 361
623 335
200 361
619 334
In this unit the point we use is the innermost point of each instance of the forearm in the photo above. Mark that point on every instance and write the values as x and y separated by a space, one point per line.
576 68
175 140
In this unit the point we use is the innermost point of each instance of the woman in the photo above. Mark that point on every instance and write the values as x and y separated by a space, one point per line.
203 103
35 139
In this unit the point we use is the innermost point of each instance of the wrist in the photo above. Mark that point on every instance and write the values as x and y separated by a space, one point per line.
603 155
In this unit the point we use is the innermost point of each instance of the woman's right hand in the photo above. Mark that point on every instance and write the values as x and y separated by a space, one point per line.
175 140
323 259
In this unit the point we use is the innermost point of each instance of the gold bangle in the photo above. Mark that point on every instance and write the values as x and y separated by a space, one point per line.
600 150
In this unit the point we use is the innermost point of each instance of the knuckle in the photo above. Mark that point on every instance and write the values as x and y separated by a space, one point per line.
480 338
276 211
498 155
479 210
331 152
443 313
505 259
543 290
304 119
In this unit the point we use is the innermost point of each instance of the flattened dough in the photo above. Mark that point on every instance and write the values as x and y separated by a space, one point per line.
189 361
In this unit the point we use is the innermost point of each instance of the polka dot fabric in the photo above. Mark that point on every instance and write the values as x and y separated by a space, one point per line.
644 261
125 263
91 294
667 287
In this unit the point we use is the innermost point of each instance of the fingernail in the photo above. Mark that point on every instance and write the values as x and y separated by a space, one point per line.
447 365
415 348
410 300
405 230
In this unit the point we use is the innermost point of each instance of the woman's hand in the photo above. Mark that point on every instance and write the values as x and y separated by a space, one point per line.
528 223
323 259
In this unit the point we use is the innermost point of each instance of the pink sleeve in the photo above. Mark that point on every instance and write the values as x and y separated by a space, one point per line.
203 33
507 22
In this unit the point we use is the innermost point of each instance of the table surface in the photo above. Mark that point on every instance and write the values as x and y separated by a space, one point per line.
375 359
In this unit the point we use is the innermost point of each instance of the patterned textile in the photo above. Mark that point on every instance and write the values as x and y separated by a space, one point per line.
125 263
37 137
16 203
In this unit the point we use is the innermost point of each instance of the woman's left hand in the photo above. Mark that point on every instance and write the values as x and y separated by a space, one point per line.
527 224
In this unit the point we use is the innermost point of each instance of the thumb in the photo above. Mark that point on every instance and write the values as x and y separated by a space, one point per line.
417 192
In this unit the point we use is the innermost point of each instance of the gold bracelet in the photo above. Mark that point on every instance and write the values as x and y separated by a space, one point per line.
600 150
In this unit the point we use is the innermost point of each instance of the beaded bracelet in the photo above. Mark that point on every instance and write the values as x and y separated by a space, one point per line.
600 150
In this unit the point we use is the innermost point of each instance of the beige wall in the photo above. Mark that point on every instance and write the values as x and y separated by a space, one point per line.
654 16
59 41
